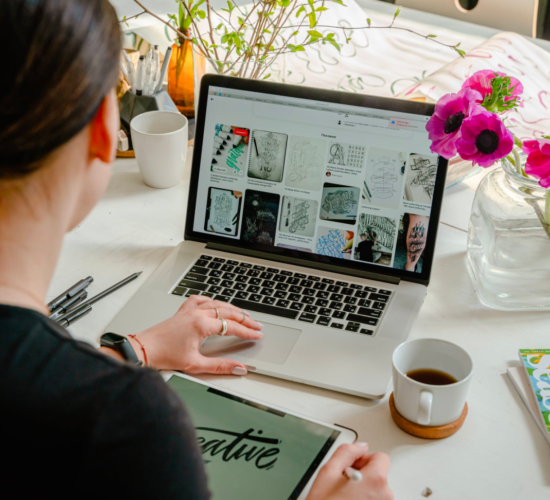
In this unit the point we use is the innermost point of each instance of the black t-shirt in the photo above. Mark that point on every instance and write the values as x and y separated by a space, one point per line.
365 250
76 423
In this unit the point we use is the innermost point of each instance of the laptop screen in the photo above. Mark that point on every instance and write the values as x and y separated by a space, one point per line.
316 178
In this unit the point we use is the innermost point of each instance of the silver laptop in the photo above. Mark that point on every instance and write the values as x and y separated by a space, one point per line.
317 212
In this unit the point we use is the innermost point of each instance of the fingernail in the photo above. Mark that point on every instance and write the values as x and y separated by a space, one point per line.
261 325
362 444
239 370
260 334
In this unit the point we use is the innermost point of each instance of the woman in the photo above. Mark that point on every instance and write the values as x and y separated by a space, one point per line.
76 421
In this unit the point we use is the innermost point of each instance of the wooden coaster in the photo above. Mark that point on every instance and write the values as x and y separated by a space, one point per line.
125 154
425 431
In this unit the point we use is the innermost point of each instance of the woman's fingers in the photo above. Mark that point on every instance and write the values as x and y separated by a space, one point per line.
345 456
214 326
219 366
218 304
195 301
235 314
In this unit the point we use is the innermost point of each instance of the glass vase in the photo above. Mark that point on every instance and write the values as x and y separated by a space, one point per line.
181 82
509 242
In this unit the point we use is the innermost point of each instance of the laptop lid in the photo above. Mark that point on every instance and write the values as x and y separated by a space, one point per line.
336 180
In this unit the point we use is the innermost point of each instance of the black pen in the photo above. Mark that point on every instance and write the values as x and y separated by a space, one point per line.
65 306
100 295
74 316
67 294
256 146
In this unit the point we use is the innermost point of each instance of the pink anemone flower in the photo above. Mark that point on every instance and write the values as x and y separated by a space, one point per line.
484 139
481 81
538 160
444 125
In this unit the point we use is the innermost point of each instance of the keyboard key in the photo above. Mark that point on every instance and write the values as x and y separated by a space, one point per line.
323 320
259 268
233 262
295 289
229 276
222 298
333 289
241 295
314 278
350 300
226 283
378 305
266 291
339 326
339 314
384 292
207 294
285 273
283 303
252 273
268 284
327 281
356 318
322 295
199 270
296 306
255 297
371 289
264 308
279 278
325 311
227 268
336 305
352 327
310 309
300 275
294 297
239 286
194 285
241 279
292 281
206 257
239 270
366 331
281 286
337 297
245 265
322 302
254 281
266 276
179 290
201 263
215 289
272 270
378 297
307 300
219 259
279 294
349 308
308 318
373 313
228 292
308 292
347 291
360 294
269 300
213 281
253 289
364 303
215 274
319 286
192 292
201 278
306 283
355 286
341 283
214 265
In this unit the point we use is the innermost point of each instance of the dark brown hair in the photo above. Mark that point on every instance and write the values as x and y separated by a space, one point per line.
60 60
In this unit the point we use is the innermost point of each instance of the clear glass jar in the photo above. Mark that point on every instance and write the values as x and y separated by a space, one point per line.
509 242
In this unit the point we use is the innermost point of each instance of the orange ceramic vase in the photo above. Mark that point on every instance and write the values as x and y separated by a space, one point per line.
181 86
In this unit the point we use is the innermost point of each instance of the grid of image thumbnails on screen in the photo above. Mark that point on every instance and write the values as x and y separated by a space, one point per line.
322 196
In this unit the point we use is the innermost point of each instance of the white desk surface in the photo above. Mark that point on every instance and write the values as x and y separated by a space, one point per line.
499 453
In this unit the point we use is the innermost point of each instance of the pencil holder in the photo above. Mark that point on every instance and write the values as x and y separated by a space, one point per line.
132 105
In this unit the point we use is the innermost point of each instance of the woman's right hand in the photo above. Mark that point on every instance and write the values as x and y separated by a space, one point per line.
331 484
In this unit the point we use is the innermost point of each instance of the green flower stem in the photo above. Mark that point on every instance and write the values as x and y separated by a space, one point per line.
517 162
547 207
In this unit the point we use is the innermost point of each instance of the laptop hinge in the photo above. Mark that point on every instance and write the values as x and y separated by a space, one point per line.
299 262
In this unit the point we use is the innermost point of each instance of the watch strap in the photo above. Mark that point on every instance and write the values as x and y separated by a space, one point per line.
123 347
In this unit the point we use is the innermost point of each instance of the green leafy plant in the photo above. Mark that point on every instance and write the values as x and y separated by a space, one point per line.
246 43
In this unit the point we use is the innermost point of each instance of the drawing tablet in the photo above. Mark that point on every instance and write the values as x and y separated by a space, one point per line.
252 450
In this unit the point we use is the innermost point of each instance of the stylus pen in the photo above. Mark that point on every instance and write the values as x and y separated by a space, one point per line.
164 69
99 296
73 301
353 474
67 294
74 316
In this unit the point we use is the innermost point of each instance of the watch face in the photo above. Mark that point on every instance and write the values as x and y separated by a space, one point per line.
112 339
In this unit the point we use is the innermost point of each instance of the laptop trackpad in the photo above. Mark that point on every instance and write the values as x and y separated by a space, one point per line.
274 347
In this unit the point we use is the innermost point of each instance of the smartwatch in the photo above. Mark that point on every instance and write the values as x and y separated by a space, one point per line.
121 345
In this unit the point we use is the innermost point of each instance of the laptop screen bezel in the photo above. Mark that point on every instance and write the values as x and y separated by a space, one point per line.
316 94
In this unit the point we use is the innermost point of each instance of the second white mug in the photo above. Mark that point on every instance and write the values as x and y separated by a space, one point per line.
426 404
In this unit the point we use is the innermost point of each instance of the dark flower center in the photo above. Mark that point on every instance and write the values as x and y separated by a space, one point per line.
487 141
453 122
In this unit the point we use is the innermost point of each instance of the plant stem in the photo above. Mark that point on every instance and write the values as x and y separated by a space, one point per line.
162 20
517 160
547 207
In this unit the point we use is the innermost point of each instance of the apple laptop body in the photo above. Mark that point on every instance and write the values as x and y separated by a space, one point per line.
317 212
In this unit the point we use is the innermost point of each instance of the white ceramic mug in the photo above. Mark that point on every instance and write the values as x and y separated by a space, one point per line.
160 144
426 404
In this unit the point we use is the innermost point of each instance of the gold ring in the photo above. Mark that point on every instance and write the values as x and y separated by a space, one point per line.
224 327
244 318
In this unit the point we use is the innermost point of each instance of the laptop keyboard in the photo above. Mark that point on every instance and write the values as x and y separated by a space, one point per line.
322 301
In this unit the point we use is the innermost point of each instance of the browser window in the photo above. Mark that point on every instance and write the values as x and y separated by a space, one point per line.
324 178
